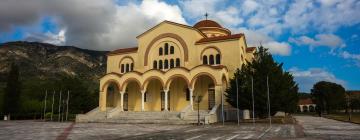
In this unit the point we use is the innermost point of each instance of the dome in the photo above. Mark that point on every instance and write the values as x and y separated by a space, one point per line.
207 23
211 28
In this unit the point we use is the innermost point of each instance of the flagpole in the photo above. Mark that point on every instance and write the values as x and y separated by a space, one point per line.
45 104
237 101
52 105
67 105
222 106
253 104
268 96
59 107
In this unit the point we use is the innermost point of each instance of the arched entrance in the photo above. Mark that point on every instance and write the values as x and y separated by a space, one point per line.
153 94
311 108
112 95
305 108
179 94
132 96
204 87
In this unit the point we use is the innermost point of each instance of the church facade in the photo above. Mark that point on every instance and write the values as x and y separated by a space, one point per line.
174 68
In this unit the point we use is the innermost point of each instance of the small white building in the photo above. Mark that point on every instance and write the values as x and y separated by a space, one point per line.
306 105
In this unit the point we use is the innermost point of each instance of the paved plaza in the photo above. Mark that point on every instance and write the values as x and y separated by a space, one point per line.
317 127
309 128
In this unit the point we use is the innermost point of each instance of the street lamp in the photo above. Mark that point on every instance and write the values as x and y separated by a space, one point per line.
198 100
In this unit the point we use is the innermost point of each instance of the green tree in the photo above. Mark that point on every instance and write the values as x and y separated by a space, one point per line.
282 87
328 96
12 91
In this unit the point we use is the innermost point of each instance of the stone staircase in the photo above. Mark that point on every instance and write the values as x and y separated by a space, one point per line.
192 116
113 115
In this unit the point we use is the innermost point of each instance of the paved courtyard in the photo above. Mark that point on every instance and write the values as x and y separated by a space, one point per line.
310 128
317 127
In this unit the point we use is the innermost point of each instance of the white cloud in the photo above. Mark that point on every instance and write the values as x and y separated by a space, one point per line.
280 48
256 38
307 78
348 55
91 24
321 15
48 37
327 40
249 6
352 57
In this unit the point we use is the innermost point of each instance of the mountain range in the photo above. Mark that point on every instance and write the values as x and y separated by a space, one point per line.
47 61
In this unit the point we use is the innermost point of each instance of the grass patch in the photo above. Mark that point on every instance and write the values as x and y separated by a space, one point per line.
355 117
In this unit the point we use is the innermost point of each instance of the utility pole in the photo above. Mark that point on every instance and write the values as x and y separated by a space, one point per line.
63 109
237 101
59 106
253 104
67 105
45 105
222 106
268 97
52 105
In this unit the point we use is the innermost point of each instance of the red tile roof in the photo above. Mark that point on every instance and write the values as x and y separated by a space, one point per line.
305 101
250 49
123 50
219 38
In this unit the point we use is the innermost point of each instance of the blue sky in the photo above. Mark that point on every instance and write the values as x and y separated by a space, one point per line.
315 39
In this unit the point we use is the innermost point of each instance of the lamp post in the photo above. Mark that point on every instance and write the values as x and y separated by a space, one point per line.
198 100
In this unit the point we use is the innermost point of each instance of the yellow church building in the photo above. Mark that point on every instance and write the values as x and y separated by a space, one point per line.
175 70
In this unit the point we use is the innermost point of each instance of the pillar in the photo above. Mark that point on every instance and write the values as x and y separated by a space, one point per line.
122 100
142 100
166 99
191 98
102 101
218 94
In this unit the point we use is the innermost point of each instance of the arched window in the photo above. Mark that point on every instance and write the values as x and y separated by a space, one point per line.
211 60
122 68
218 59
177 62
166 64
160 64
154 65
127 68
166 48
160 51
171 63
205 60
132 67
171 49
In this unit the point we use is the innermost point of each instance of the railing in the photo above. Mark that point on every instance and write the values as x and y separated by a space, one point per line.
112 112
185 111
211 117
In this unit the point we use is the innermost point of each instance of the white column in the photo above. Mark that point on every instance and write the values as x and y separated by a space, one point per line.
122 100
142 100
166 99
191 98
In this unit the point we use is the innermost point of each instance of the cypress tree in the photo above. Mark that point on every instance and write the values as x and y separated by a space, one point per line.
283 89
12 91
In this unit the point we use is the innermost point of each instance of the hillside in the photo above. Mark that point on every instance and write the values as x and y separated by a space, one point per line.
47 61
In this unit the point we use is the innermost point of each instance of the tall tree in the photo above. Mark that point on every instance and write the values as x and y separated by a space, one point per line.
282 87
12 91
328 96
